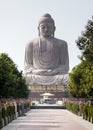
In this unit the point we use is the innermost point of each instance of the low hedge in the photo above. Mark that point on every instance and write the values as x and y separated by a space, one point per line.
73 107
0 119
87 110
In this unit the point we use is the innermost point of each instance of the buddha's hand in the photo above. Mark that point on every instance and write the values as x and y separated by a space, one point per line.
48 72
44 72
51 72
39 71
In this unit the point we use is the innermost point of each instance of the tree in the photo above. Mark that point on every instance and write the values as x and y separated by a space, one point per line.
81 77
76 77
85 42
11 80
81 81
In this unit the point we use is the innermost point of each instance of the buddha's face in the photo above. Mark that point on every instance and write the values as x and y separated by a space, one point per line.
46 29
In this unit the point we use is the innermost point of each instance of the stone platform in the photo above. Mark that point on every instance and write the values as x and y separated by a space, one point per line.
46 88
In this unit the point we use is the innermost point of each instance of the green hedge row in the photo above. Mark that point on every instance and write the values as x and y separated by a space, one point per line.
86 112
72 107
9 112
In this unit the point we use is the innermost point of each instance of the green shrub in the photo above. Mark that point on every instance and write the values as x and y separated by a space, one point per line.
75 108
69 106
4 112
85 111
0 119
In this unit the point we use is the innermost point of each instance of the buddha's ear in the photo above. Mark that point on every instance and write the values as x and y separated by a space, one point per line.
54 28
38 27
38 31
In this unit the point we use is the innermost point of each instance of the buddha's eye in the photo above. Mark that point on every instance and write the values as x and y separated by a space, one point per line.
42 27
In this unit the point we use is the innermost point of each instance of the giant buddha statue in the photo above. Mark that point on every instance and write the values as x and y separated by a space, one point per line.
46 57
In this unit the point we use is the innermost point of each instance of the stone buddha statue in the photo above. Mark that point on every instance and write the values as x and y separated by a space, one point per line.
46 57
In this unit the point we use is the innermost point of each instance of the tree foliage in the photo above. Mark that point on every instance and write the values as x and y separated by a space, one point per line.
12 84
81 77
85 42
81 81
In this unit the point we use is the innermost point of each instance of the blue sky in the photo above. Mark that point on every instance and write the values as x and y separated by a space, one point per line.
19 21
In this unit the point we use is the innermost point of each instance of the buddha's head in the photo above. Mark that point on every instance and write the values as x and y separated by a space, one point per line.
46 26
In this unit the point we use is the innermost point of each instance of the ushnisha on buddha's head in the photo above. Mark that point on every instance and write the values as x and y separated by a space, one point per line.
46 26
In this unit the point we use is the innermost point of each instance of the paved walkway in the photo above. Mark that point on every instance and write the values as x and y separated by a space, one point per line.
49 119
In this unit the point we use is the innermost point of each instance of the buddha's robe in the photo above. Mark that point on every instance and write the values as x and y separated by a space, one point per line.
47 62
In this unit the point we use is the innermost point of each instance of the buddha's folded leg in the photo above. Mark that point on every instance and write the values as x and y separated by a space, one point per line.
48 80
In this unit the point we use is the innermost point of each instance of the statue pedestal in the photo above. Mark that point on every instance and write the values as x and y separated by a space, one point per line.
45 88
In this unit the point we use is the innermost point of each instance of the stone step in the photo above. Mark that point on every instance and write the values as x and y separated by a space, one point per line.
47 107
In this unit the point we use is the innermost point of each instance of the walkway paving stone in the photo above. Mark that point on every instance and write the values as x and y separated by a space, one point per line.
49 119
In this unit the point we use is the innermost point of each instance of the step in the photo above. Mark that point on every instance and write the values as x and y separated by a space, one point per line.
47 107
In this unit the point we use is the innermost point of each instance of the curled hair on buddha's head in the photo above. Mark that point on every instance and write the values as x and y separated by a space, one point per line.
46 18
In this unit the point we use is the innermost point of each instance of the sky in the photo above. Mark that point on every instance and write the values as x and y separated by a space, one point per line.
19 22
